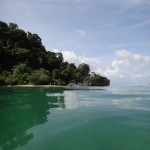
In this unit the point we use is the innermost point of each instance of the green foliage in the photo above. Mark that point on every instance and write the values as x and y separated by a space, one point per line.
54 60
24 60
58 82
3 25
68 72
97 80
41 76
13 26
6 78
84 68
2 80
82 72
21 73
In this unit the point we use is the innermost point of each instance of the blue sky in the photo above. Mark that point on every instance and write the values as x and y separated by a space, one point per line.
99 32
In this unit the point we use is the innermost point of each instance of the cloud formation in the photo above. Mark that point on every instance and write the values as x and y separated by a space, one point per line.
126 69
96 65
130 68
81 32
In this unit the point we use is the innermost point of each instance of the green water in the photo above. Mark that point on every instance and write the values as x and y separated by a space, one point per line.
112 118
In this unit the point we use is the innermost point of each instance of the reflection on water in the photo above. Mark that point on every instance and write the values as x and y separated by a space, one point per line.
20 110
134 98
23 108
124 98
68 99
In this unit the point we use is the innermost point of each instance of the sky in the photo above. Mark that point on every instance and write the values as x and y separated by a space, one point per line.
112 36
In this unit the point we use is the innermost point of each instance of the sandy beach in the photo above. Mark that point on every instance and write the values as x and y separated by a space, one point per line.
44 86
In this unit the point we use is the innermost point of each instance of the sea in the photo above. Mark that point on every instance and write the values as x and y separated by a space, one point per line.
105 118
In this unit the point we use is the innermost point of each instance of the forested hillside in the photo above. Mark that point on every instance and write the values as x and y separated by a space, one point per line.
24 60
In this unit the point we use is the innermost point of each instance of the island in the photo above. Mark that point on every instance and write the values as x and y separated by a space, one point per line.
25 61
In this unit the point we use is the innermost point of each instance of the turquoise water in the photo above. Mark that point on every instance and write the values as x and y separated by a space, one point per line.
111 118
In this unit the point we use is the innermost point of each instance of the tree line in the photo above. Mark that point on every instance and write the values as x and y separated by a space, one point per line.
24 60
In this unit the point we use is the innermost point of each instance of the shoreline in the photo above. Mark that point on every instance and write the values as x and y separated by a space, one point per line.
54 87
45 86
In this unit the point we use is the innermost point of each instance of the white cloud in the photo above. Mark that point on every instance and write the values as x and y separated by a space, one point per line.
132 68
126 55
126 69
96 65
81 32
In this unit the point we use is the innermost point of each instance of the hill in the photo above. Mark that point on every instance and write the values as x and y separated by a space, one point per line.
24 60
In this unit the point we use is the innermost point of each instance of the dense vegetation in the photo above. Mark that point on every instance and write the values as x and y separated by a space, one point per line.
24 60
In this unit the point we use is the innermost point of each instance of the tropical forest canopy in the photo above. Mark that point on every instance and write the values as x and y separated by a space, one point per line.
24 60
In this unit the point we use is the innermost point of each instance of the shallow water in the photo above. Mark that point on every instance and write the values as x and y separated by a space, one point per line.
111 118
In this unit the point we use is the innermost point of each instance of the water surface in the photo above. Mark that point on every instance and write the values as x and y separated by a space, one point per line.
111 118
